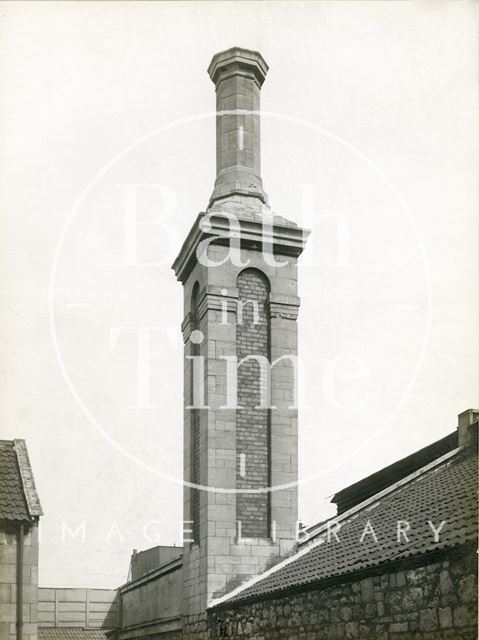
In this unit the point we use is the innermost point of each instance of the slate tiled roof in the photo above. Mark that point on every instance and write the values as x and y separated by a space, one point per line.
70 633
446 492
18 497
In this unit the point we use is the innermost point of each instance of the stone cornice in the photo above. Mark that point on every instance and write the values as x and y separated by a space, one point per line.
286 307
212 298
238 61
281 236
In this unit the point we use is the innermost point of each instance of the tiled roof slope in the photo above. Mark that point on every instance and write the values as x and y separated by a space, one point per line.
18 496
445 492
363 489
70 633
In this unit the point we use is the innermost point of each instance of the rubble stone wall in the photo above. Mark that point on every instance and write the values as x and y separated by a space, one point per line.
437 601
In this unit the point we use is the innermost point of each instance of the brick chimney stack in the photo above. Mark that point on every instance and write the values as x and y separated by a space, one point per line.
468 423
238 75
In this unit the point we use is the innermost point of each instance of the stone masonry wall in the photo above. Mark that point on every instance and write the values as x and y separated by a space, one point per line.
8 583
195 424
437 601
221 560
252 423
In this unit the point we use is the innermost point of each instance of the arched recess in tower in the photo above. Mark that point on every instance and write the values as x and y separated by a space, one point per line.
253 423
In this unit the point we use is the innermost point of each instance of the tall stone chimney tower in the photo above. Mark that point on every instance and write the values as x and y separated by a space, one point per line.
238 270
238 75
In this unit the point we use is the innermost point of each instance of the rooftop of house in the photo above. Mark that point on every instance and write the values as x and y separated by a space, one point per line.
19 500
440 496
372 484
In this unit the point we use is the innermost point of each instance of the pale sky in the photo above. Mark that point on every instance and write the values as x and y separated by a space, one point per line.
370 124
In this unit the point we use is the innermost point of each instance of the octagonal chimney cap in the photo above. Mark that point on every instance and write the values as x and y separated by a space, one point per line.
238 61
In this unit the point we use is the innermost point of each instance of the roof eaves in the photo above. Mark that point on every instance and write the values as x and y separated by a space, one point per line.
407 561
323 526
314 539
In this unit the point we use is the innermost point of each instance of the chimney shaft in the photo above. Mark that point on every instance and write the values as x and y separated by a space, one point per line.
238 75
468 427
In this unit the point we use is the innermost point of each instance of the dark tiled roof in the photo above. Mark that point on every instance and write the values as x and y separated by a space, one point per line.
13 505
18 497
70 633
447 492
367 487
